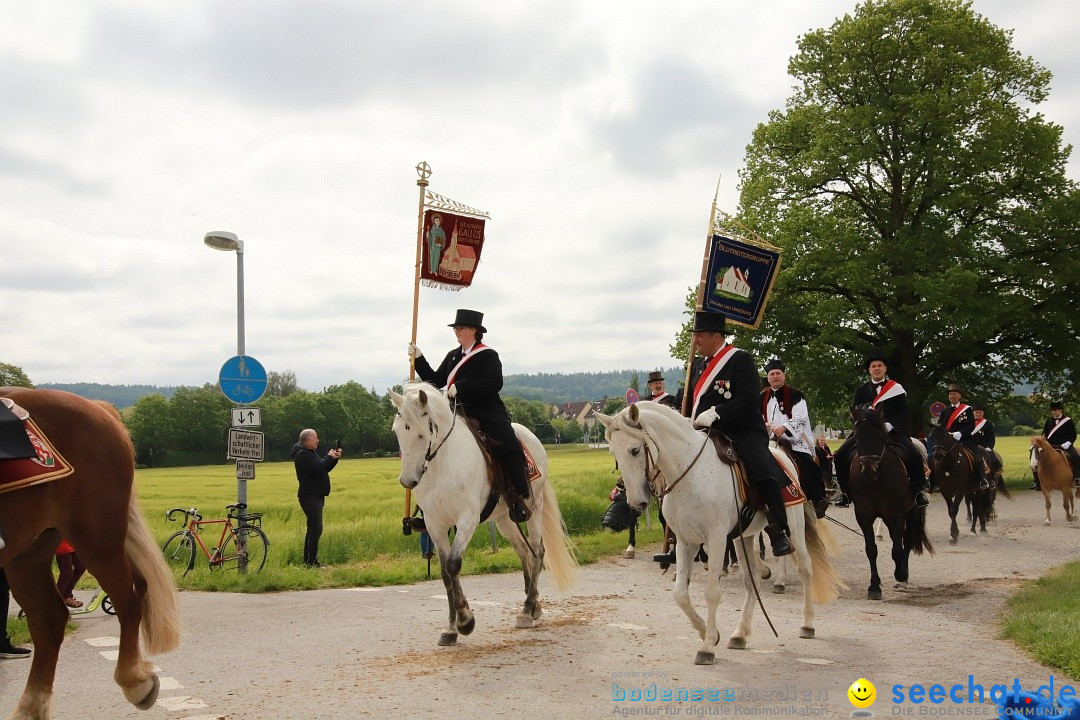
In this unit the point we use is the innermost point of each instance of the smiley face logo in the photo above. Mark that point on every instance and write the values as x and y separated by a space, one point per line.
862 693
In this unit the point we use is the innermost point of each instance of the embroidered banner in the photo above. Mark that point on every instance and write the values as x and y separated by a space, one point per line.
451 249
739 279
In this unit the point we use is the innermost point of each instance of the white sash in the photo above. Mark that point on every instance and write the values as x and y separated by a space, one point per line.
1062 421
888 391
479 347
718 363
979 426
658 398
956 412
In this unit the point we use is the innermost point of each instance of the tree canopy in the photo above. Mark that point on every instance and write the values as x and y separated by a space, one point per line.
922 205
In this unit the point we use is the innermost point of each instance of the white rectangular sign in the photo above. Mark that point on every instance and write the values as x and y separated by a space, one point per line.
245 444
246 417
245 469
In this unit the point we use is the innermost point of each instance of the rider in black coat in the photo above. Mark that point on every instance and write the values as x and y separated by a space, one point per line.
958 419
1060 431
472 374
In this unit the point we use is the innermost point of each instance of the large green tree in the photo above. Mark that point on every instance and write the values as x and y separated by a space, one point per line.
13 376
922 205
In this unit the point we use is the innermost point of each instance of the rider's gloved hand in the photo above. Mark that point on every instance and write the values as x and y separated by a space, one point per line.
414 352
451 392
706 418
888 427
1066 445
956 436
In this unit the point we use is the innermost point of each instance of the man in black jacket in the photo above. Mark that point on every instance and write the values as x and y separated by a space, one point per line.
1060 431
724 397
656 390
958 419
313 476
890 399
472 375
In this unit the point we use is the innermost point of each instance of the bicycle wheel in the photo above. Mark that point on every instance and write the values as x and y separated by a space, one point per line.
107 606
255 556
180 551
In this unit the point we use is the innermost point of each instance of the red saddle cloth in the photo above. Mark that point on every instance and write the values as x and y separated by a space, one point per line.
792 492
46 466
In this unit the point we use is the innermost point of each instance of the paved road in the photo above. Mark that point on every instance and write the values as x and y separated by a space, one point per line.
372 652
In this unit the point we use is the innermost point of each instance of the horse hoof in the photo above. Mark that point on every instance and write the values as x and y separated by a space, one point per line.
779 589
873 594
705 658
150 697
523 621
628 553
766 573
1047 522
468 626
537 612
953 540
447 639
807 633
723 571
736 643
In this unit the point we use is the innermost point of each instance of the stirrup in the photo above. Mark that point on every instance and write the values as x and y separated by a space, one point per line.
921 499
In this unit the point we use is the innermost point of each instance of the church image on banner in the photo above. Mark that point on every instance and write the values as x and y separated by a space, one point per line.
736 282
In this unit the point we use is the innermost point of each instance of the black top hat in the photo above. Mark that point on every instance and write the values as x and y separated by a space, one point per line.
953 387
1057 405
655 376
469 318
875 355
775 364
709 322
979 407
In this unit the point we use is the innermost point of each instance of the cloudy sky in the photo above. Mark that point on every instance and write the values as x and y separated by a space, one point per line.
593 132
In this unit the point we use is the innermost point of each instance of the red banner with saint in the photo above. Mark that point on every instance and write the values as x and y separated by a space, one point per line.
451 249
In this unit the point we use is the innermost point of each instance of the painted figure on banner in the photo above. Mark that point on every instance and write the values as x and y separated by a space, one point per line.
436 242
787 417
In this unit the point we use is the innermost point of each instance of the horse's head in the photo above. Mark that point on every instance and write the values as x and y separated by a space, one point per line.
422 414
1039 445
941 440
868 427
635 454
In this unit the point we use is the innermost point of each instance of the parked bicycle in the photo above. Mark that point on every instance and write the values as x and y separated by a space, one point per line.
241 546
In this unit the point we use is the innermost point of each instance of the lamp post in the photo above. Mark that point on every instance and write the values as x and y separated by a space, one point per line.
228 242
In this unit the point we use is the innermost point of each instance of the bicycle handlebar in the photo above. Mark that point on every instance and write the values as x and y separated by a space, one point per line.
193 513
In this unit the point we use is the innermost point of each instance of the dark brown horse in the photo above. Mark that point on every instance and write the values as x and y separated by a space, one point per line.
953 468
96 510
879 488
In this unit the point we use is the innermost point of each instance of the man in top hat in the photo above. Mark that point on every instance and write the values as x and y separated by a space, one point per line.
656 390
985 436
787 416
724 395
472 374
890 399
958 419
1060 431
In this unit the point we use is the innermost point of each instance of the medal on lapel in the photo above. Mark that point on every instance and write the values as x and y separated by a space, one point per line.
724 388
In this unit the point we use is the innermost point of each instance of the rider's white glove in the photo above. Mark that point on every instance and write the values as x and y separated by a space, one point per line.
888 427
1066 444
956 436
706 418
451 392
414 352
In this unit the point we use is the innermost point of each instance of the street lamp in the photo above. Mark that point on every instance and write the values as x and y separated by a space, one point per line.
227 241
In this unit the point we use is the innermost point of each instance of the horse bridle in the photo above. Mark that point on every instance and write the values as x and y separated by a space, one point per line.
651 481
433 430
870 461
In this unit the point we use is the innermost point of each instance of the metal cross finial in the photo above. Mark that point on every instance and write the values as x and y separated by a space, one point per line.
424 171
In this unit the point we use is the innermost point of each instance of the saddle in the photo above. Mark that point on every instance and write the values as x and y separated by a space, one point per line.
27 457
725 448
14 441
500 485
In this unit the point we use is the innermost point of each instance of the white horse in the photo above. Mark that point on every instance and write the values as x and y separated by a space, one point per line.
442 462
659 451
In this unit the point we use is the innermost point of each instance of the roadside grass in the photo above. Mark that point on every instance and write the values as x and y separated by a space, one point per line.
362 539
1044 619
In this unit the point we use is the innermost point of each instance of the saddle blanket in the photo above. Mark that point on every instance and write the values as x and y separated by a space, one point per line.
530 465
46 466
792 492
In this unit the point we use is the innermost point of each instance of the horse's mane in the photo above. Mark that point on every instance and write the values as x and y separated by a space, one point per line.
667 416
437 404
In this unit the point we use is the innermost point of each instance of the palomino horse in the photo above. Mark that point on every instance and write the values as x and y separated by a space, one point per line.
660 452
879 488
443 463
1054 474
95 508
952 465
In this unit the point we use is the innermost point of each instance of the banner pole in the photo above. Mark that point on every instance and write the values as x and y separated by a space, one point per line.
424 171
697 306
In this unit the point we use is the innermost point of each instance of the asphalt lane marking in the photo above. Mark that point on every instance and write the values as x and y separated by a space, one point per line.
104 641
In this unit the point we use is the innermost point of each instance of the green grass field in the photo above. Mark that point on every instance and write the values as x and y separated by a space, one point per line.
362 538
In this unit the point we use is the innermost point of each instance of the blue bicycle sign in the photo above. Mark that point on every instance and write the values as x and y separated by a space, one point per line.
242 379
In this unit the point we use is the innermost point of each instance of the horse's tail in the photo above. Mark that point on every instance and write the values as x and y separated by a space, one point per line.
915 536
825 584
558 549
160 613
1001 487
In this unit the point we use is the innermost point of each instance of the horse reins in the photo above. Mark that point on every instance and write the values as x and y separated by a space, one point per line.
649 460
430 454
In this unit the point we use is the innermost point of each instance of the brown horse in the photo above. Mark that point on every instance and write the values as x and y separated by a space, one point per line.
879 488
952 465
1054 474
96 510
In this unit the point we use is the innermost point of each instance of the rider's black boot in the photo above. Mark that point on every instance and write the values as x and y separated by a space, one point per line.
518 475
777 514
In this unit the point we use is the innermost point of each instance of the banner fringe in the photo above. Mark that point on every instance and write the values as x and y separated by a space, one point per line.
441 286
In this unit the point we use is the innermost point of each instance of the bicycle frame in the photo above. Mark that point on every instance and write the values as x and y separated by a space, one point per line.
241 544
227 528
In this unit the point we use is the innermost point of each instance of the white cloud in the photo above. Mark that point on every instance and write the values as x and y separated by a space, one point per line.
594 133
